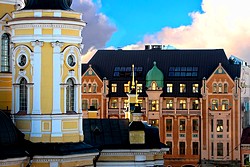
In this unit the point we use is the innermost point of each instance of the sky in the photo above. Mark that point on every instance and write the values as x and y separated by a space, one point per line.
184 24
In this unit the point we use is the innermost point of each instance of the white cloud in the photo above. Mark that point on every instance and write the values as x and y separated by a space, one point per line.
223 24
98 30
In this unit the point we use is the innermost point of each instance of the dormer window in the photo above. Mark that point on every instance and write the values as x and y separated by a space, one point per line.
214 88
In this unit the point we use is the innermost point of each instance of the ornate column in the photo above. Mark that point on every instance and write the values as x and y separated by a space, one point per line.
37 76
56 76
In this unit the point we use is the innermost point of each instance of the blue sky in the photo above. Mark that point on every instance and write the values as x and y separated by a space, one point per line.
135 18
184 24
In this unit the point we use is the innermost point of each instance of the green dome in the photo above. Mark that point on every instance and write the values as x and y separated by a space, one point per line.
156 75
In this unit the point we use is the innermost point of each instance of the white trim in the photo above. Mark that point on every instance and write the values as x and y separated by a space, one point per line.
37 56
56 127
56 77
37 31
37 14
35 128
47 38
57 14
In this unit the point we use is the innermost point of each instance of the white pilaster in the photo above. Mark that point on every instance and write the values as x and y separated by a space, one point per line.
56 76
37 76
35 128
56 127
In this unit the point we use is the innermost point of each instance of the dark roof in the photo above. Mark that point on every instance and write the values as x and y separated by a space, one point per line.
245 137
11 139
13 144
206 61
47 4
114 134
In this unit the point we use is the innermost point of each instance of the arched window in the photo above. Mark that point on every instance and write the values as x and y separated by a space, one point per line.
154 85
94 88
89 88
214 88
220 87
84 88
225 88
23 93
5 53
70 94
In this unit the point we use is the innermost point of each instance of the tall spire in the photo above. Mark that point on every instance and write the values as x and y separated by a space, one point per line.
133 77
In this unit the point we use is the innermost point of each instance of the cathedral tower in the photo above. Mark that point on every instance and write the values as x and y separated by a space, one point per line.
46 92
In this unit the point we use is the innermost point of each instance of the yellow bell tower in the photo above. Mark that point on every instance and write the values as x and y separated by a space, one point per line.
46 80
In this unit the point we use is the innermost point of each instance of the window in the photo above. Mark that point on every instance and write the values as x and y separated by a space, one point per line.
224 105
154 105
95 103
22 60
214 88
94 87
183 104
182 88
195 148
126 87
71 60
220 87
70 94
195 88
114 88
139 88
195 125
154 122
212 149
212 125
84 88
219 149
219 125
182 124
215 104
195 104
227 125
89 88
154 86
183 71
114 103
168 124
169 88
182 148
84 104
5 53
169 144
246 159
227 149
23 95
125 104
225 88
169 104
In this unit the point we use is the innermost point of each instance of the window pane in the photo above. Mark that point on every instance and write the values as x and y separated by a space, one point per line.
23 95
168 124
182 125
70 95
219 149
182 148
169 144
5 51
195 148
219 125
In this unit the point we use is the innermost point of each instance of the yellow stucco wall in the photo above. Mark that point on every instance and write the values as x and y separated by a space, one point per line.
47 75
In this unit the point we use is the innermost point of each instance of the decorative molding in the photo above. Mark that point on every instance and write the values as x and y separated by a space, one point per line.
36 43
57 44
64 26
